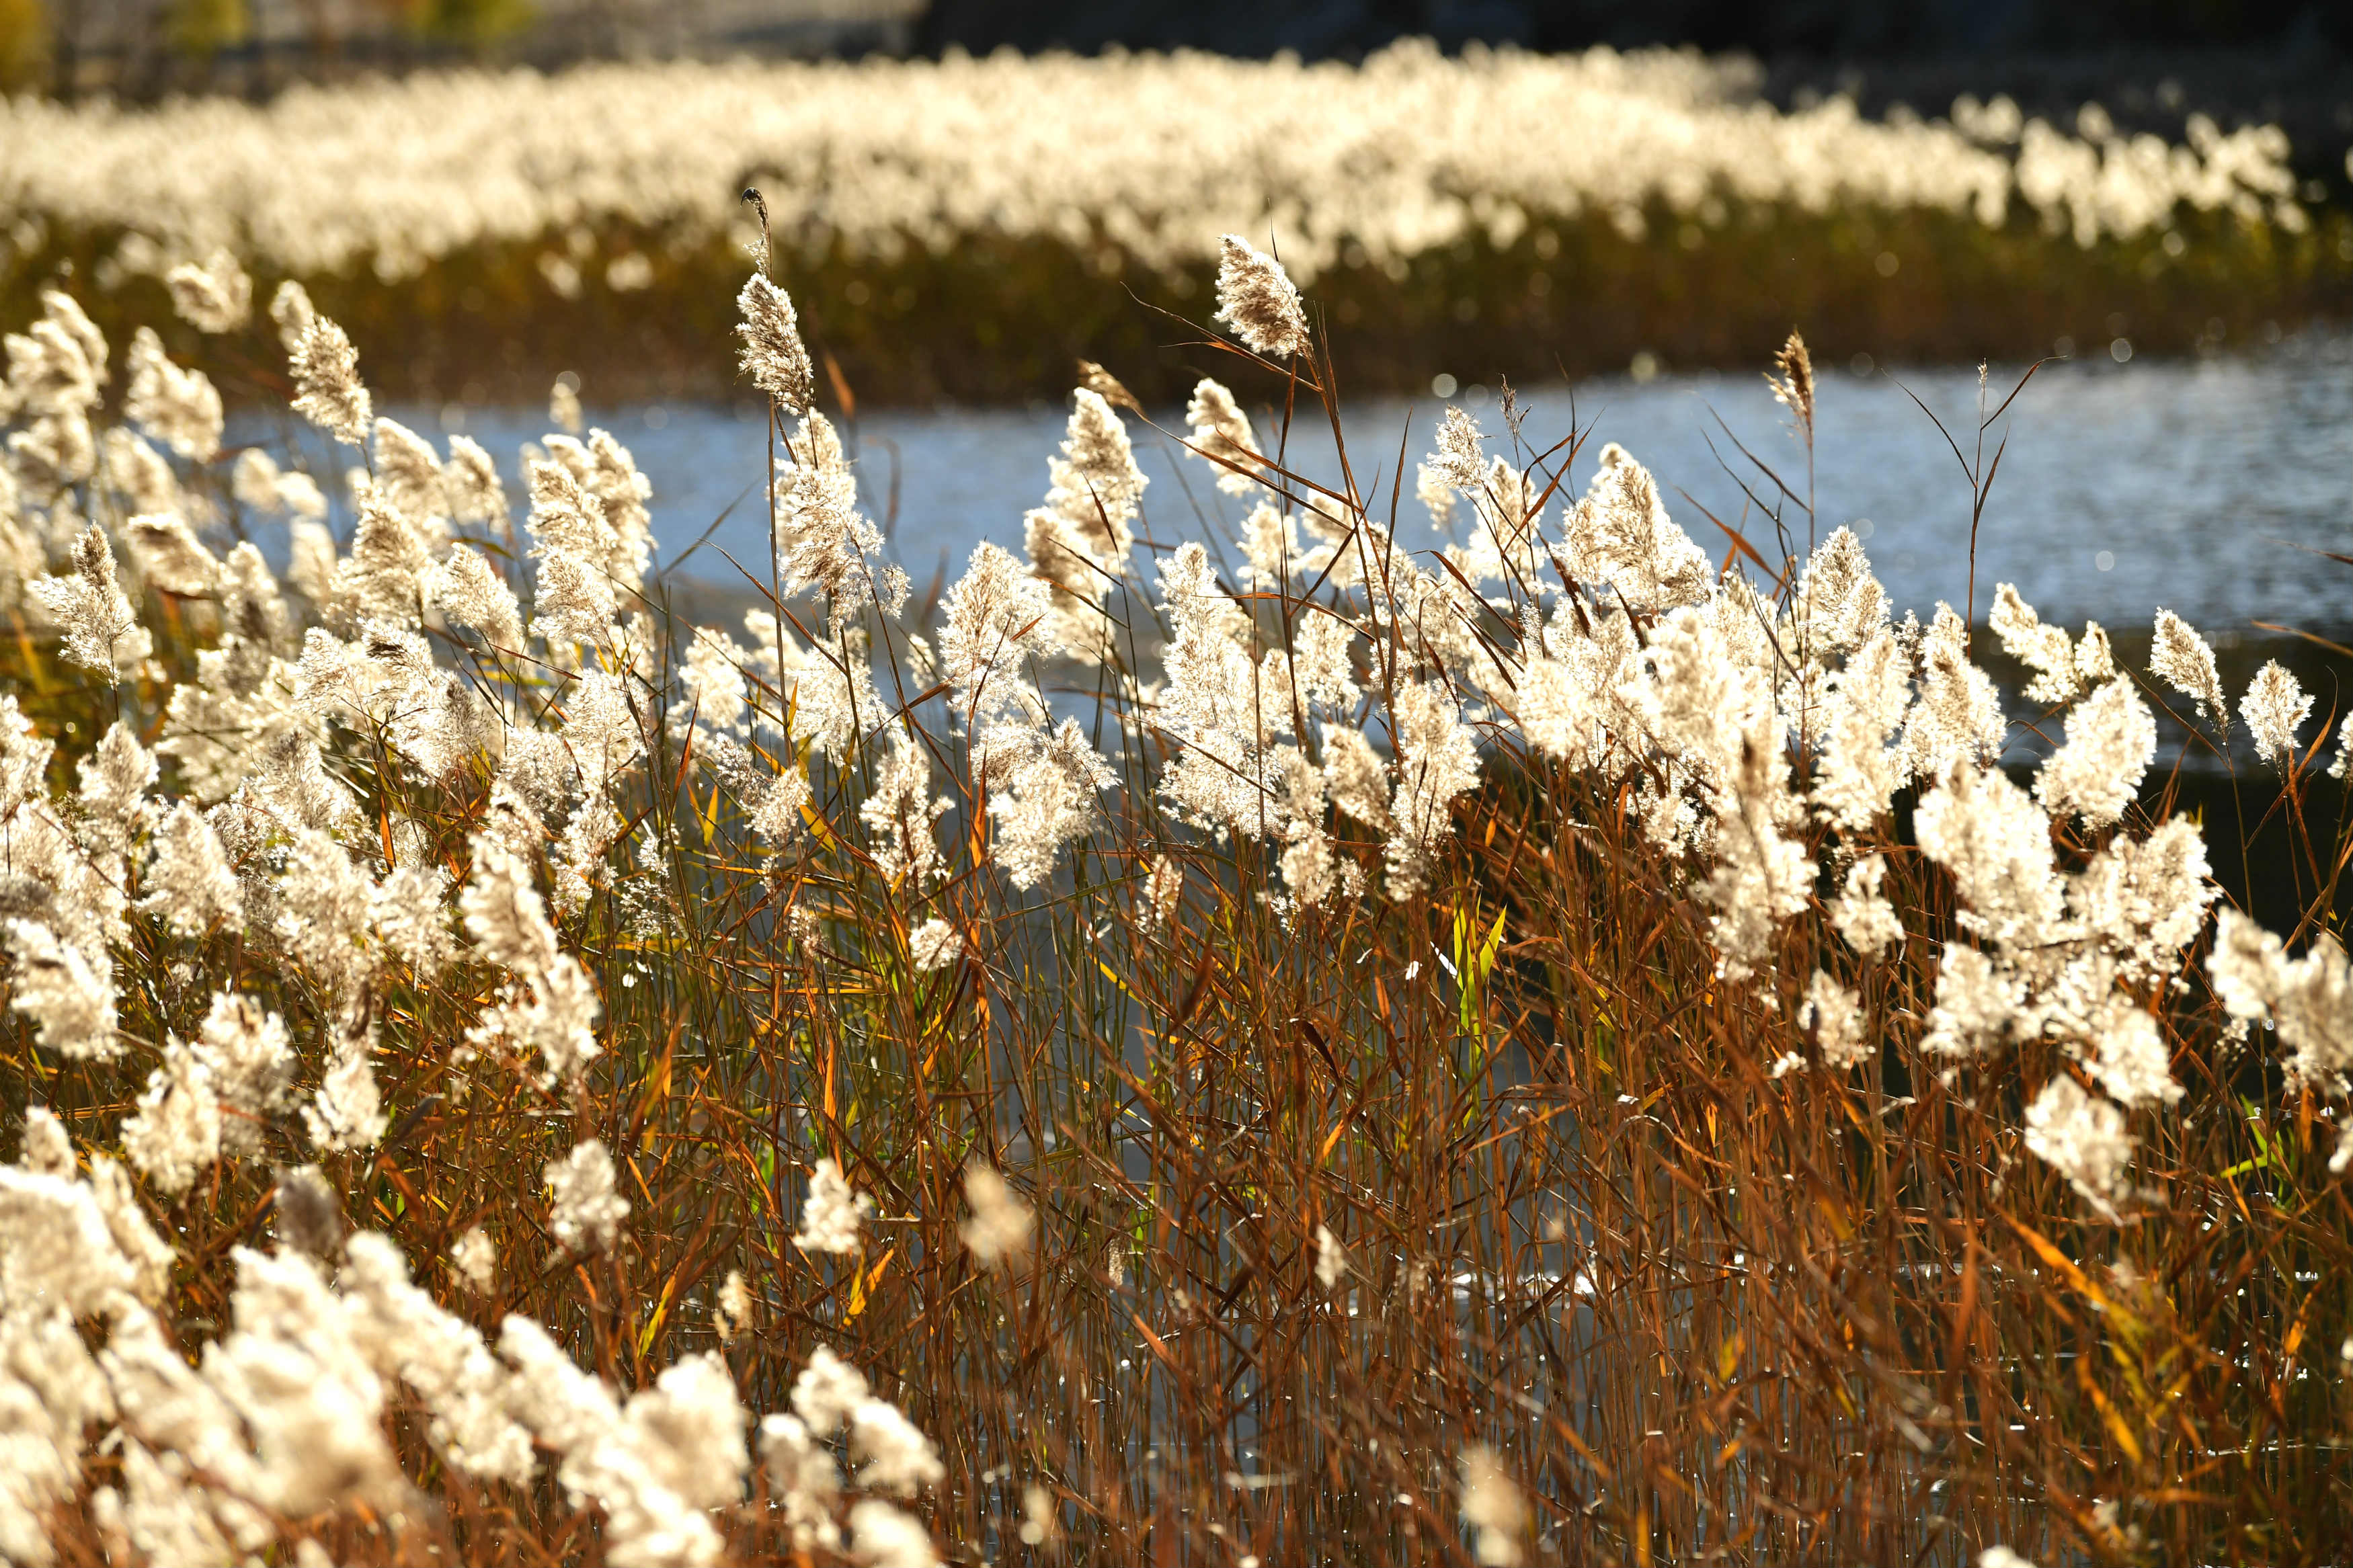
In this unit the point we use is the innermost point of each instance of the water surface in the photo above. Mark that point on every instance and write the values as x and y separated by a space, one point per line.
2185 484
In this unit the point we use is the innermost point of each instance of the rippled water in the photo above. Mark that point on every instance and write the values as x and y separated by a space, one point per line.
2124 487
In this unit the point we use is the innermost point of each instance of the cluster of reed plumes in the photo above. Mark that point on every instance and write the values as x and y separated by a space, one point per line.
962 229
1147 157
1243 1043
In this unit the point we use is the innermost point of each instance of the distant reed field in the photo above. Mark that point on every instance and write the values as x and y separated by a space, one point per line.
1215 1040
962 229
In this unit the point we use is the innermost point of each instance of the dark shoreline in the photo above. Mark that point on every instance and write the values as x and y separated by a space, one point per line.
996 321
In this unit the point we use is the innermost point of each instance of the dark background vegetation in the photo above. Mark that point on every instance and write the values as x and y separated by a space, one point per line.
1862 28
999 320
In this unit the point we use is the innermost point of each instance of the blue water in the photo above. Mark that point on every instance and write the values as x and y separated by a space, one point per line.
2185 484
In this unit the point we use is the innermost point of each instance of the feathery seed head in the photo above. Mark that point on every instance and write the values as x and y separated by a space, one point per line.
831 1217
1258 299
1494 1508
1222 436
2274 709
2181 658
564 407
216 297
1001 1225
179 407
408 473
475 1257
2083 1136
290 311
774 355
934 946
328 389
2111 738
1793 387
586 1207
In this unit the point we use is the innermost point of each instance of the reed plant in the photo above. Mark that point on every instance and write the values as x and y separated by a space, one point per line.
1213 1040
962 228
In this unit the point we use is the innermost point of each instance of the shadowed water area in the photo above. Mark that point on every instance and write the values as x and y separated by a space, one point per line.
2185 484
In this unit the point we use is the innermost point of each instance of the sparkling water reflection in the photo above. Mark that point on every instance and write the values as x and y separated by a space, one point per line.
2124 487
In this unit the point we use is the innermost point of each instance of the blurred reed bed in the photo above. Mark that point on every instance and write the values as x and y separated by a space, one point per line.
998 320
962 228
1213 1041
